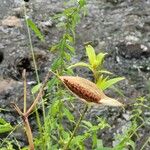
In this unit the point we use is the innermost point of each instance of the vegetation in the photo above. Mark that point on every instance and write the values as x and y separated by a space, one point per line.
58 104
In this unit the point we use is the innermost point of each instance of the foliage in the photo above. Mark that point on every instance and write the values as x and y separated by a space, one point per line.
61 129
37 32
125 139
96 66
4 126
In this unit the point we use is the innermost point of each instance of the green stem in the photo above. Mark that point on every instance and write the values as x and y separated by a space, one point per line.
76 127
36 70
31 46
148 140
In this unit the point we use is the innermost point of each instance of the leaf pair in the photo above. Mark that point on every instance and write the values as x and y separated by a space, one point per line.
94 60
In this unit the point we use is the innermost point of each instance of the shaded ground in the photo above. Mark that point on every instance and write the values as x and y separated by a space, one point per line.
121 28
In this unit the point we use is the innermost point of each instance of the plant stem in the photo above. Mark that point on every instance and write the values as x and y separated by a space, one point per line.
33 56
76 127
36 71
25 90
28 132
39 94
31 46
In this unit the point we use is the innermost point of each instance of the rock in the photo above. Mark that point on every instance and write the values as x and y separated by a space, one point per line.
12 21
129 50
11 91
47 23
126 116
19 12
6 84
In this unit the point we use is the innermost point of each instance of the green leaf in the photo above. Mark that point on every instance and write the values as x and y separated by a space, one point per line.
78 141
4 126
94 128
131 143
70 38
54 47
71 48
35 29
81 2
69 11
67 56
55 108
104 83
68 114
101 147
80 64
105 71
51 83
65 135
91 54
101 81
94 139
36 88
87 123
56 64
99 58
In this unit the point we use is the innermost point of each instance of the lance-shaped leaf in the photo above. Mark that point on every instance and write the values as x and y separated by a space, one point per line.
80 64
36 30
91 54
99 58
4 126
104 83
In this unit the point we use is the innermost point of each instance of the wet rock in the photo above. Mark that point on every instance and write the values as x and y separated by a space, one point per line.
11 21
129 50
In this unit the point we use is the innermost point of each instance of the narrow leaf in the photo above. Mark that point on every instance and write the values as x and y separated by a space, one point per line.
105 71
36 88
54 47
87 123
70 38
108 83
67 56
80 64
35 29
4 126
81 2
56 64
99 58
68 114
71 48
91 54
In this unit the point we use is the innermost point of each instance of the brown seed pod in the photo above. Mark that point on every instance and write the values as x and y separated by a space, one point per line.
87 91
